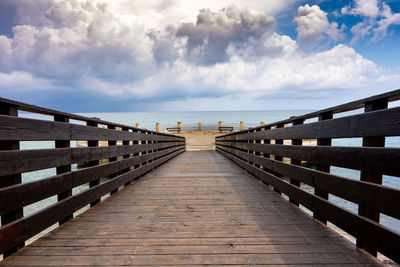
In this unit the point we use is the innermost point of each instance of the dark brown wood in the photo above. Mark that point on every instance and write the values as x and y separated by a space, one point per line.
278 157
19 161
22 129
64 168
369 175
386 122
11 179
359 158
52 112
96 180
323 167
295 142
390 96
84 154
127 155
113 143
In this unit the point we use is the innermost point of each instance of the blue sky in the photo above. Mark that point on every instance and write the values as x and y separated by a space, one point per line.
123 55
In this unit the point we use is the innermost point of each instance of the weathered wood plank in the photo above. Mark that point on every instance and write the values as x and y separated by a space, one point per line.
382 160
385 124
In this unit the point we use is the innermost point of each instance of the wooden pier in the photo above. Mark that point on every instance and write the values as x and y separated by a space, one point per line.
200 208
148 202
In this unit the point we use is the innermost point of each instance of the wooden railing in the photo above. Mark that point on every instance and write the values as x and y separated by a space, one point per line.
129 152
274 153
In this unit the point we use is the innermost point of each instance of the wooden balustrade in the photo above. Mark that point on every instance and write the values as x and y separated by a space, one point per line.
131 152
372 159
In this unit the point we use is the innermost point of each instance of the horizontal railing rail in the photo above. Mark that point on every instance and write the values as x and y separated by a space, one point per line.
278 154
127 153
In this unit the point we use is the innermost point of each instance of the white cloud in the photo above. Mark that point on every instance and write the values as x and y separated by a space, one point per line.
378 17
123 51
313 25
366 8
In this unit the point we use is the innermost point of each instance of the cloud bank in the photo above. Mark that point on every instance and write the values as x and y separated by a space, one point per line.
125 49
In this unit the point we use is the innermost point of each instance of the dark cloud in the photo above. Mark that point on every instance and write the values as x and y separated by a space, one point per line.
207 41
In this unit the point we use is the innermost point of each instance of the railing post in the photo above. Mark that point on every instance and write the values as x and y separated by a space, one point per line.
267 142
322 167
278 158
136 144
125 143
371 176
296 142
65 168
241 126
93 143
112 143
13 179
199 126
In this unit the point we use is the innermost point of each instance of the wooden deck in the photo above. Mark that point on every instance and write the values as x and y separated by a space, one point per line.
199 208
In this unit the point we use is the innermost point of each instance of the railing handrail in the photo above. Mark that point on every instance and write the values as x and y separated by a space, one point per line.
353 105
52 112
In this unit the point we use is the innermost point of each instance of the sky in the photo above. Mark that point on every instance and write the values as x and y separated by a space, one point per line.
175 55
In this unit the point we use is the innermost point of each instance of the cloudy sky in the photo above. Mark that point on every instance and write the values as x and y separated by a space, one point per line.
153 55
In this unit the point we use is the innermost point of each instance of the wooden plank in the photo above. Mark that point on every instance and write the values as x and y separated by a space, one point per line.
46 111
357 104
386 124
19 161
82 132
22 129
384 160
18 196
83 154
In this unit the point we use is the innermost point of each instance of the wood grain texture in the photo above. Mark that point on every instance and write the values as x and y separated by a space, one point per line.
198 209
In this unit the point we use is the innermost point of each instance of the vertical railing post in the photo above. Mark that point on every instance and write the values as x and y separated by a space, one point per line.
112 143
255 152
371 176
323 167
296 142
93 143
13 179
266 155
278 158
125 156
65 168
136 145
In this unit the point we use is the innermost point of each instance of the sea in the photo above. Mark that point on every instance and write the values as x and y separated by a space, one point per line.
209 121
